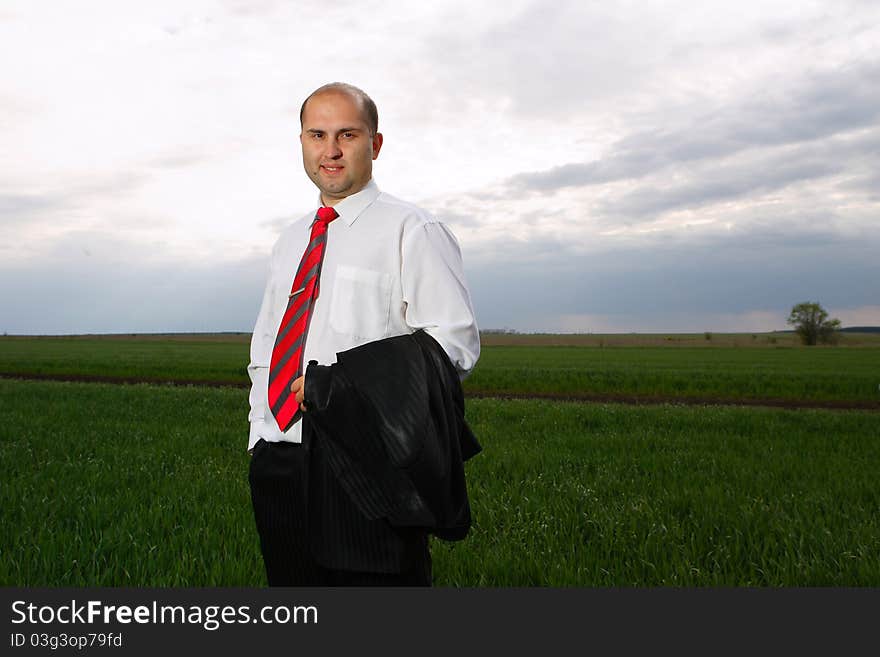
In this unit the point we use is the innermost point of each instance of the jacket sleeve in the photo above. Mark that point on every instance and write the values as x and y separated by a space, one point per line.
341 424
388 415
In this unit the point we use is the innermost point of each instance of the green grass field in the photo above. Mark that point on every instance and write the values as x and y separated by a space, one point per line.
743 373
640 366
139 485
203 358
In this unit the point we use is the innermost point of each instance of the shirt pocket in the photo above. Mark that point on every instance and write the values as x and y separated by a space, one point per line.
361 302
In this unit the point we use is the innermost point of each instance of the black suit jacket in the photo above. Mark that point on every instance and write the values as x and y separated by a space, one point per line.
386 423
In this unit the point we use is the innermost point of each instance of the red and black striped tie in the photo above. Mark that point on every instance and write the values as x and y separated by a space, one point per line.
287 355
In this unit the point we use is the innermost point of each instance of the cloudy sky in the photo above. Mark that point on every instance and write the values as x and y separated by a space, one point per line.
607 167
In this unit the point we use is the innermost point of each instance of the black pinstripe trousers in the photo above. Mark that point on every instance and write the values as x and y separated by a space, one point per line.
311 534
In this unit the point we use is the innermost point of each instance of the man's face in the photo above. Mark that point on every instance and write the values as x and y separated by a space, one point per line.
338 149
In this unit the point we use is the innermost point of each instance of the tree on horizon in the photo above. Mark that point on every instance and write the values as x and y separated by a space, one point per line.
810 321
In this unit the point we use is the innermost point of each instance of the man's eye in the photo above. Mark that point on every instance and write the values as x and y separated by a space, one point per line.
348 135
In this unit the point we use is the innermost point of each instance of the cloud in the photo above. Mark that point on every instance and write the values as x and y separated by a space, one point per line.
95 285
51 208
860 316
867 184
821 105
719 184
24 208
638 162
674 286
546 63
180 158
748 321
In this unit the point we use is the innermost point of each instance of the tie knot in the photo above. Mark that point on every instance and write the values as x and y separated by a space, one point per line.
326 214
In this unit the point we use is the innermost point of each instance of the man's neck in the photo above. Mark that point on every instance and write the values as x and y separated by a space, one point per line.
333 201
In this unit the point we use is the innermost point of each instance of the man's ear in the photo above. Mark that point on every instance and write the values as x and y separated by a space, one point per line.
377 144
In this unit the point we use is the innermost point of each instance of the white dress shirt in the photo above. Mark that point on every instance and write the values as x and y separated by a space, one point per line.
390 268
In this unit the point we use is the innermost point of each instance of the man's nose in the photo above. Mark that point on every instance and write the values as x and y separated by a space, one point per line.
333 151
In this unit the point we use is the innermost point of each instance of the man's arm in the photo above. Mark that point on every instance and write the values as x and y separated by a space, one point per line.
436 296
260 354
436 293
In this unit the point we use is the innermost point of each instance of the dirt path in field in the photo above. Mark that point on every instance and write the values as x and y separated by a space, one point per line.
606 398
646 400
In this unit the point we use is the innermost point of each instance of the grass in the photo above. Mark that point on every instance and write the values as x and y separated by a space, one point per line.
608 495
633 368
707 339
144 357
107 485
114 485
795 374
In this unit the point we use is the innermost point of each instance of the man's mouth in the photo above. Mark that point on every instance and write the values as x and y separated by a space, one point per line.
331 170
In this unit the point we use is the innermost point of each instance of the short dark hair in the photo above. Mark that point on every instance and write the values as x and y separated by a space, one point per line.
368 107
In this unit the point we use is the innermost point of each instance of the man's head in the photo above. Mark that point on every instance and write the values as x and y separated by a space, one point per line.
340 140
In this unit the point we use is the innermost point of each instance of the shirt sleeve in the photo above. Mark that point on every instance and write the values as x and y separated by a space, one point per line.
436 294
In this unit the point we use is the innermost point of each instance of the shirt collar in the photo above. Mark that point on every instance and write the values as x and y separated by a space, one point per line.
351 207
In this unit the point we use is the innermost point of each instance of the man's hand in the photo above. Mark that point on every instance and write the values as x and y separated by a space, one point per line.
297 388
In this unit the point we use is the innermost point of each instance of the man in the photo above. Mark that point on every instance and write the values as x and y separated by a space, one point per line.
365 268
